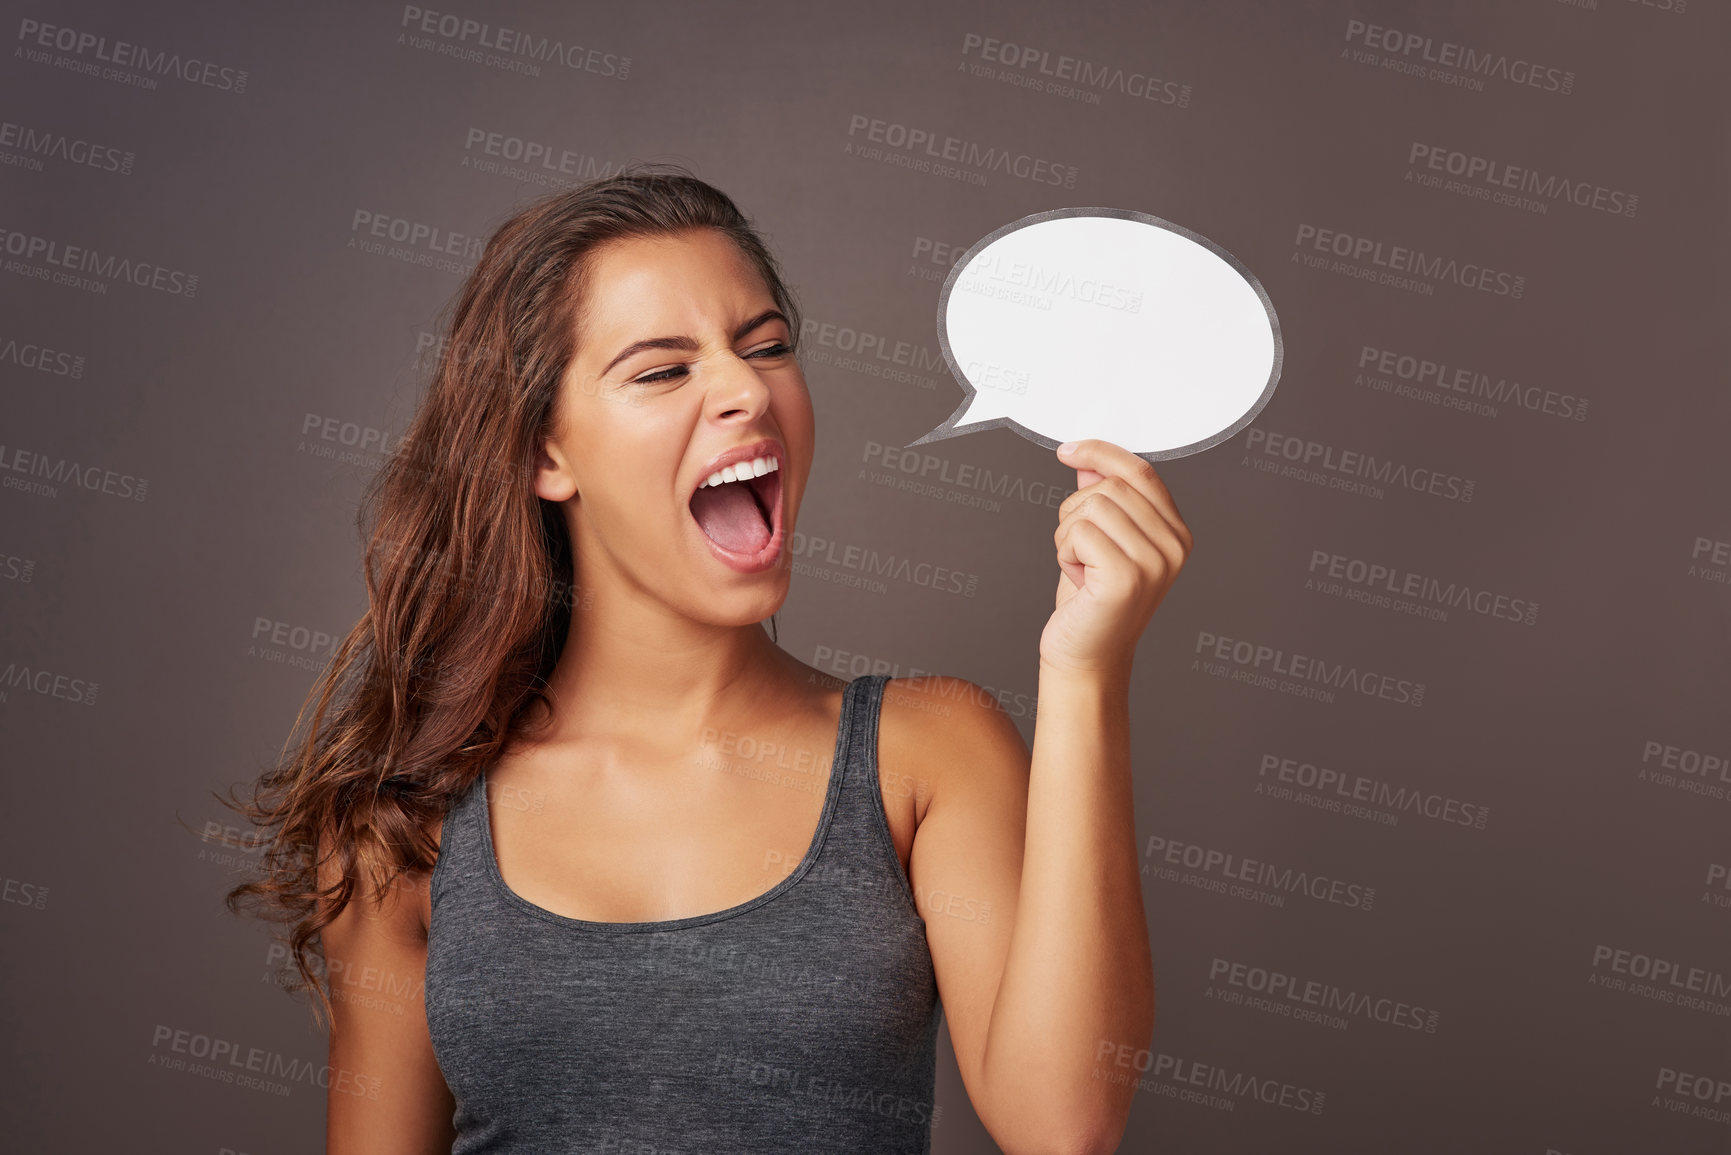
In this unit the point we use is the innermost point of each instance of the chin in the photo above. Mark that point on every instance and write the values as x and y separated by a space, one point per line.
744 608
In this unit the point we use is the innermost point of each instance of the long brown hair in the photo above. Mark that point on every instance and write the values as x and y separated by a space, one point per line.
469 573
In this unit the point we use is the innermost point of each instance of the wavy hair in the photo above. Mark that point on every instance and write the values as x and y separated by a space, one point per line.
468 571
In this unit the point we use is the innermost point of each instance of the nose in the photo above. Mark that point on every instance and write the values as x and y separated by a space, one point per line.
737 393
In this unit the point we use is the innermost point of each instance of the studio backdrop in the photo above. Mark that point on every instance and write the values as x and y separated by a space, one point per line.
1432 759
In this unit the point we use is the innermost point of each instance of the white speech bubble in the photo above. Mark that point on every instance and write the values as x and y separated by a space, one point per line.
1108 323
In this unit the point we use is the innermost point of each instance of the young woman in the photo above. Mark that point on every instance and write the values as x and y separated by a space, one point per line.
587 862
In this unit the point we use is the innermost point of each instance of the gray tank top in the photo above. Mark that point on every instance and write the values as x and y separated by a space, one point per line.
802 1020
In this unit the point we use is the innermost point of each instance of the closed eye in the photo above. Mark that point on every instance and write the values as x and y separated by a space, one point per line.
776 350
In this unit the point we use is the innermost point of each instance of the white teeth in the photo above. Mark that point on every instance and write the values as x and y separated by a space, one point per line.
756 467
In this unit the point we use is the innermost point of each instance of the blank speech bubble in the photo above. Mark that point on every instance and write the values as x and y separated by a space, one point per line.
1108 323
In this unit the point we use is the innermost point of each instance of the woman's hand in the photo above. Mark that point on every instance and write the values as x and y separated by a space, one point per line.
1121 543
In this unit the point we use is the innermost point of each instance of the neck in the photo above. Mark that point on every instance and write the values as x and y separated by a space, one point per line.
634 665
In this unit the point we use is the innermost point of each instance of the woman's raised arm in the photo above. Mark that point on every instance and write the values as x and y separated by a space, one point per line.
1045 998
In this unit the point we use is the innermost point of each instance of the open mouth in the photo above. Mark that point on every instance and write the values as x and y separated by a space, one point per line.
739 509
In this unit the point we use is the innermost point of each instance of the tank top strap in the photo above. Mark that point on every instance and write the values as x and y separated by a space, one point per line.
862 702
459 841
859 854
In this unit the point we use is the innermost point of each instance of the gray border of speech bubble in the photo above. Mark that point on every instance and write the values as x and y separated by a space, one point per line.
949 428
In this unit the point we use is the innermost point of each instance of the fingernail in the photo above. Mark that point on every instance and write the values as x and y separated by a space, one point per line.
1067 447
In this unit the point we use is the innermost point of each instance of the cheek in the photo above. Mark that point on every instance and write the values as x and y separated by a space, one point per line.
800 428
794 414
629 455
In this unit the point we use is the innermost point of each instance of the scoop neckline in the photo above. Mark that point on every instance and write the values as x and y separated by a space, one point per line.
832 794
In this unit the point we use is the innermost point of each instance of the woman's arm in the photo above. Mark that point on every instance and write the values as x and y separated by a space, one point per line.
387 1095
1027 877
1042 999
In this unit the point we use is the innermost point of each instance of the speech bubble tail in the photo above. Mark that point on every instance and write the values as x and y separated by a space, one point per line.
958 422
941 433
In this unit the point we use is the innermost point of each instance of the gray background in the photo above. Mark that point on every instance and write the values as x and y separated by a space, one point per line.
179 469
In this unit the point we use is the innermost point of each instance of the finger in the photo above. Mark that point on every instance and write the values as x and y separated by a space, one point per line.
1107 459
1088 549
1117 489
1156 552
1133 501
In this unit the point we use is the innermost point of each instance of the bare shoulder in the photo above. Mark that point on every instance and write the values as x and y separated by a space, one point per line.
947 710
377 913
947 730
376 961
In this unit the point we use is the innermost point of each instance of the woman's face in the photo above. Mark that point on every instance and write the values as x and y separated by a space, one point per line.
682 362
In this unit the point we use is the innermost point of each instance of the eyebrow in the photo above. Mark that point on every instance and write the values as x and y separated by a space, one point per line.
688 344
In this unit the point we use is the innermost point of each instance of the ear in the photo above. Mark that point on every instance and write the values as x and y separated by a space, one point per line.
554 480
